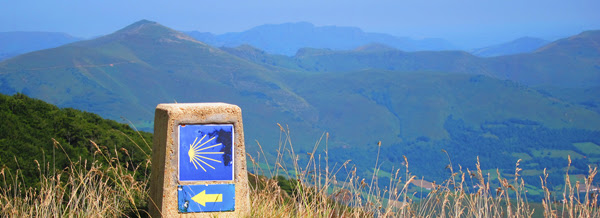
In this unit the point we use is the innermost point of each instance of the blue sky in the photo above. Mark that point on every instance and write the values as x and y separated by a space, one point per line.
463 22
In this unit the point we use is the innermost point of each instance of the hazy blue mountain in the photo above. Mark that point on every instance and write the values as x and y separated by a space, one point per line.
287 38
572 62
205 37
568 63
585 44
15 43
517 46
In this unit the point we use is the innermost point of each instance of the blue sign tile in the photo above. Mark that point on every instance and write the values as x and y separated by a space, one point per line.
206 198
206 152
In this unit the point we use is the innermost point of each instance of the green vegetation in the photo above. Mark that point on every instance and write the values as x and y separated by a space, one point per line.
31 130
555 154
588 147
104 188
538 148
522 156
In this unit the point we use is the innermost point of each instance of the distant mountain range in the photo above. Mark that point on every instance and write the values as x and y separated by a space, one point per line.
16 43
284 39
428 100
288 38
551 65
517 46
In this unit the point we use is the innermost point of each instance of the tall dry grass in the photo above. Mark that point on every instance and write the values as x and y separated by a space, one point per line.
322 190
291 187
578 200
82 189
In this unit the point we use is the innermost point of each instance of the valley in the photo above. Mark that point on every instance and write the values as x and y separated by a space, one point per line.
539 106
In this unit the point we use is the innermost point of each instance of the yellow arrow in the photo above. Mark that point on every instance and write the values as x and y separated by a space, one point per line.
202 198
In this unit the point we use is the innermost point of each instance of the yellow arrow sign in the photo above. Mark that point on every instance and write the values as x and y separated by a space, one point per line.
202 198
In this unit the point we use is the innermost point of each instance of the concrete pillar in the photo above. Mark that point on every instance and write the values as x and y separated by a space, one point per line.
199 162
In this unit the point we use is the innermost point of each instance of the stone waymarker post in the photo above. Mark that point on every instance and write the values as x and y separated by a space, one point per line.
199 162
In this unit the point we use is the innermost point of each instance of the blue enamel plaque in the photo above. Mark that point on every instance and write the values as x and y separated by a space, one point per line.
206 198
206 152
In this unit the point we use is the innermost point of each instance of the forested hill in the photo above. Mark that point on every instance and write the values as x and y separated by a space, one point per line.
29 125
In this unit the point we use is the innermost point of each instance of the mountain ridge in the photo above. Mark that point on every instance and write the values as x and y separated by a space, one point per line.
590 37
287 38
548 66
20 42
517 46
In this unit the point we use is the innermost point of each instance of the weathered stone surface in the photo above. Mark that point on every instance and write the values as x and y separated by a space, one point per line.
164 179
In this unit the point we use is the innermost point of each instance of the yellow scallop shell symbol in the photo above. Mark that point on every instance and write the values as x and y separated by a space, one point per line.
196 153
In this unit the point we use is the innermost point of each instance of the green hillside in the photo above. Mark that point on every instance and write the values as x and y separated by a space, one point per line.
127 73
29 125
571 62
587 97
410 105
418 102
